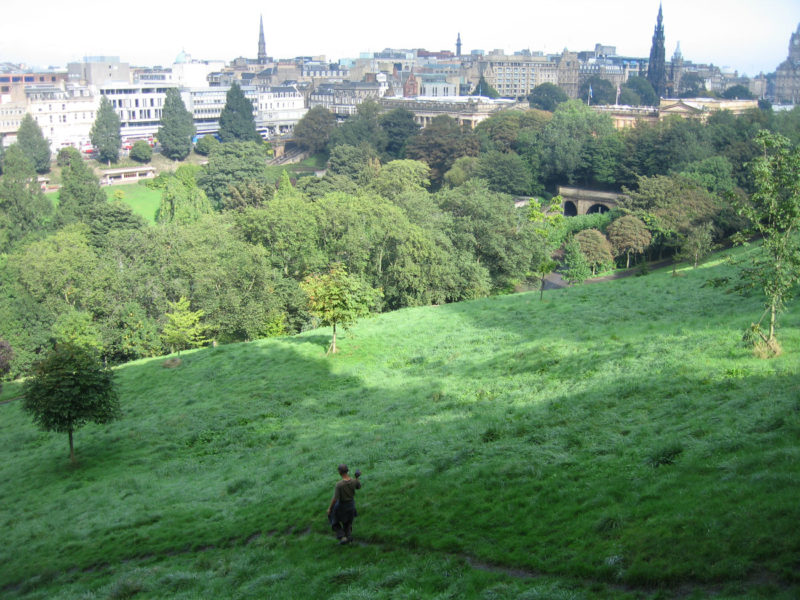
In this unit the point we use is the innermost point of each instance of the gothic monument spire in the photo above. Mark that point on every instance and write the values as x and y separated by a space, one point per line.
262 45
458 45
656 69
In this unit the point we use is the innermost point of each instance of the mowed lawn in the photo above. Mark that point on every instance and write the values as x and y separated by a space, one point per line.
616 440
143 200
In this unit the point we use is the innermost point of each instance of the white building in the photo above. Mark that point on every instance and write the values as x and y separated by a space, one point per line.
64 114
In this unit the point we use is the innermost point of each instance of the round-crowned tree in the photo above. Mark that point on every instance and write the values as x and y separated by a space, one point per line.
595 247
628 235
68 388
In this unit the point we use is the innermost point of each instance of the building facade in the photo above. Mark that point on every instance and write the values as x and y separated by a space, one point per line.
787 75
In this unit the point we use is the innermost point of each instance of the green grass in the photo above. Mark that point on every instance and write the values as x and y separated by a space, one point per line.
143 200
613 441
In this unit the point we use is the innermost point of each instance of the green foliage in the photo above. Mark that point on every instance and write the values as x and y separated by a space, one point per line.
231 164
76 327
484 89
399 177
576 145
576 268
206 145
141 151
399 126
361 129
6 356
359 164
313 131
236 121
182 201
774 212
68 388
440 144
547 96
596 248
105 135
670 206
183 328
24 210
738 92
596 90
628 235
80 194
33 145
338 298
463 169
643 91
698 243
177 127
505 172
129 333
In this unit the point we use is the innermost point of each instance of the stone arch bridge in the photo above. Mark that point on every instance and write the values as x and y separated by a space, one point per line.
577 201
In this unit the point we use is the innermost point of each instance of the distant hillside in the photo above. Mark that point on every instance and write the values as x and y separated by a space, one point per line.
613 441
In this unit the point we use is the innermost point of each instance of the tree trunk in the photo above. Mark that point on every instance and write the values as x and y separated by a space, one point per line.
71 448
628 260
333 343
772 311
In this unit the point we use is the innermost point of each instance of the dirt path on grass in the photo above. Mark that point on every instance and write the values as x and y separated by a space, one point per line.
554 281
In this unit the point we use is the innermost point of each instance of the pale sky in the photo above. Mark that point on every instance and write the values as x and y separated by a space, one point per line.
746 35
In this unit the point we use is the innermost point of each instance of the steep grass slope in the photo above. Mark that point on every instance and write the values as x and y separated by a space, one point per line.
615 440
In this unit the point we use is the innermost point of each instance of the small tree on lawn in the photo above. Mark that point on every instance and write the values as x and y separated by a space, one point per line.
69 388
697 245
774 212
183 329
548 223
338 298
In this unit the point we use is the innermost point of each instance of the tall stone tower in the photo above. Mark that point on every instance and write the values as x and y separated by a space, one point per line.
656 69
262 45
458 45
676 72
787 75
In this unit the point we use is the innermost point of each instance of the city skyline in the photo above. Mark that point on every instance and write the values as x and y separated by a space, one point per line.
739 35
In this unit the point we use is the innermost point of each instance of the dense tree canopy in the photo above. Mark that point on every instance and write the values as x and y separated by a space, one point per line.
236 122
440 144
32 143
24 210
105 134
547 96
177 127
232 164
313 131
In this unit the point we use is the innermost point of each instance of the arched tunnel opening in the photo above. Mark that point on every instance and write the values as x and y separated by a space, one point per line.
570 210
597 208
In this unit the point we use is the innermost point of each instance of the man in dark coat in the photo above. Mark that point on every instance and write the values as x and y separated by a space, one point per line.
342 509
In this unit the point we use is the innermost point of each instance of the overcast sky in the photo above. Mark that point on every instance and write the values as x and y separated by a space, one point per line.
746 35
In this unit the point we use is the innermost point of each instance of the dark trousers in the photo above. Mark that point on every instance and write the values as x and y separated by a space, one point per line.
342 517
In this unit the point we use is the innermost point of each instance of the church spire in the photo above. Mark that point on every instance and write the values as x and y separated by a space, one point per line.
458 45
262 45
656 68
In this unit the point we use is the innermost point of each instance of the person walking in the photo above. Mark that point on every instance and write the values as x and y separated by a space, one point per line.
342 509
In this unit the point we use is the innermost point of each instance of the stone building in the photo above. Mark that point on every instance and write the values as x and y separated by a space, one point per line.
787 75
656 67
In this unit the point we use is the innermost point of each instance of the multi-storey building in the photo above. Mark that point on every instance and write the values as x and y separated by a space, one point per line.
516 75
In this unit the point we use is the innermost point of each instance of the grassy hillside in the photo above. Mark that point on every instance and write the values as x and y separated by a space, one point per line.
614 441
